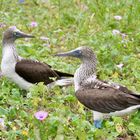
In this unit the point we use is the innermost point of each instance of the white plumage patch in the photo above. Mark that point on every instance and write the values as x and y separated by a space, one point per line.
8 67
98 115
61 82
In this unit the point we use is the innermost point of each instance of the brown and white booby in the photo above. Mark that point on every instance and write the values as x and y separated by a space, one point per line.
26 72
104 98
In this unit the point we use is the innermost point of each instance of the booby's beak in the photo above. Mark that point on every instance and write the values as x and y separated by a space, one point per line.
73 53
19 34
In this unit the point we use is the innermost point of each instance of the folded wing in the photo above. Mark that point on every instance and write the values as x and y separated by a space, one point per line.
107 100
34 72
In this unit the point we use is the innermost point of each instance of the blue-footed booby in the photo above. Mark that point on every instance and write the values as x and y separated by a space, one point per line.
104 98
26 72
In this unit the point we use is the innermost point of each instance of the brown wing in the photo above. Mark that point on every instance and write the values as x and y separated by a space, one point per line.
120 87
107 100
34 72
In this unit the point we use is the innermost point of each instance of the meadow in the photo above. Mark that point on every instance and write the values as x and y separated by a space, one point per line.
110 27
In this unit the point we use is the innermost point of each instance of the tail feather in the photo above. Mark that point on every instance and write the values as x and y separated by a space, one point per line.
62 74
62 82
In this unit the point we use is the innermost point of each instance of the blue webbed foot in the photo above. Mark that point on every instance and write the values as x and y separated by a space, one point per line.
98 123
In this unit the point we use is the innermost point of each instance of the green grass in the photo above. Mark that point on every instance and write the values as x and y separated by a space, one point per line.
69 24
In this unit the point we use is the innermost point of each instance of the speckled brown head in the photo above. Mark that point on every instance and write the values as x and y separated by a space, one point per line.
83 53
12 33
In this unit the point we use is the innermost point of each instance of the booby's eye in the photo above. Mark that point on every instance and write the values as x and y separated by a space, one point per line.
80 52
77 53
15 33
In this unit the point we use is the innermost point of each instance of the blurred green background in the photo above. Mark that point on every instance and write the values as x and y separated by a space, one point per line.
110 27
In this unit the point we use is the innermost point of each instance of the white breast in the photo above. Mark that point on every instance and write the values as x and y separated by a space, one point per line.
77 80
8 68
8 62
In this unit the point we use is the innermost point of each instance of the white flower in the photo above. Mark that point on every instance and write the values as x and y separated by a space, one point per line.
45 1
120 65
47 45
44 38
123 35
115 32
118 17
2 125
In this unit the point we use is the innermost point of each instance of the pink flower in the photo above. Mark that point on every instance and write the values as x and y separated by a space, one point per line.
116 32
41 115
118 17
33 24
120 65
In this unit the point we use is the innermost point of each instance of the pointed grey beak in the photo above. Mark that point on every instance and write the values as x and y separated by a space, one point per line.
73 53
22 35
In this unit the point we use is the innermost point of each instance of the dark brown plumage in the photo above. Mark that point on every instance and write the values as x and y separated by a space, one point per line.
107 100
35 72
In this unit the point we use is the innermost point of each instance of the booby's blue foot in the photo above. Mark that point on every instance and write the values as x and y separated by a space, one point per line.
21 1
98 123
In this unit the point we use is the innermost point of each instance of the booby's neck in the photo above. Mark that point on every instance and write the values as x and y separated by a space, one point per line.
9 50
86 70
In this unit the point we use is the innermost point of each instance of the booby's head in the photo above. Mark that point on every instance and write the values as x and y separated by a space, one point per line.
12 33
87 68
83 53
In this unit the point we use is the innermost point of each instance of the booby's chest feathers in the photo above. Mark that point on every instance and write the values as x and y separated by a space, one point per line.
8 64
83 77
9 60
